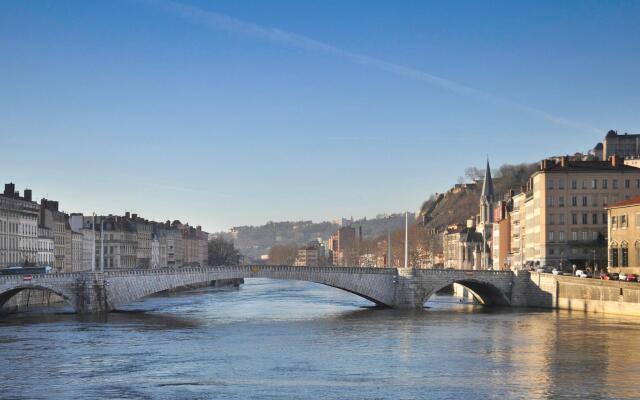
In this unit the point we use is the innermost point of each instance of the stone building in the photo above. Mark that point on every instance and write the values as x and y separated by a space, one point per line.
501 236
342 245
625 145
194 244
462 246
143 229
51 217
307 257
18 227
83 257
45 255
120 242
624 236
175 249
559 219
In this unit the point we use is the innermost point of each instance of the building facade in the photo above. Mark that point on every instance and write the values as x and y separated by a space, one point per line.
18 227
559 219
624 236
462 247
342 245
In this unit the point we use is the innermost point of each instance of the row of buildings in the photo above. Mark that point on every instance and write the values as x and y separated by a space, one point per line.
560 218
42 234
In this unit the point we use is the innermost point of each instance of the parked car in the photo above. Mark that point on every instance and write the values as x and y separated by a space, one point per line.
556 271
614 276
583 274
622 277
605 277
632 278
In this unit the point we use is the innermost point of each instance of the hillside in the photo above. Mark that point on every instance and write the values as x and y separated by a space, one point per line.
254 241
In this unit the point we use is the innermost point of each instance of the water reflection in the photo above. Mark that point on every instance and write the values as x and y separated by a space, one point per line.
282 340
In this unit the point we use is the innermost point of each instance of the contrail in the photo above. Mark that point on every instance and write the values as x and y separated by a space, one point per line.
228 24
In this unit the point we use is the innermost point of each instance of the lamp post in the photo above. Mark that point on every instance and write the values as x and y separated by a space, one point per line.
389 241
406 239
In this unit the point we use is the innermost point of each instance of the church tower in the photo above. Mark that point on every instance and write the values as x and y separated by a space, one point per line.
487 197
485 225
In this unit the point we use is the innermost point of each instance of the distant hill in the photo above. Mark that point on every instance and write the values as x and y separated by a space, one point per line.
254 241
462 200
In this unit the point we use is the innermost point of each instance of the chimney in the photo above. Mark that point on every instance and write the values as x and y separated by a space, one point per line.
9 188
544 164
616 160
134 216
563 161
127 215
27 194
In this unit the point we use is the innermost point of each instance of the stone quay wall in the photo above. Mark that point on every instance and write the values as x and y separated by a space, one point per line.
534 289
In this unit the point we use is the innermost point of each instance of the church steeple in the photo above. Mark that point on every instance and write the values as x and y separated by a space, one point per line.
487 197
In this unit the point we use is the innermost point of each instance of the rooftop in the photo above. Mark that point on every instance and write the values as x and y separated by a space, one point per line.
626 203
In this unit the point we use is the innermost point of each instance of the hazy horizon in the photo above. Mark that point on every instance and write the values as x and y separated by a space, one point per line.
225 114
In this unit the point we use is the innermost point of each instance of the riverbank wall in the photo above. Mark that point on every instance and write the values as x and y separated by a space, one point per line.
541 290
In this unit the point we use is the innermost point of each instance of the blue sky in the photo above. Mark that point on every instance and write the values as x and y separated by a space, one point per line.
226 112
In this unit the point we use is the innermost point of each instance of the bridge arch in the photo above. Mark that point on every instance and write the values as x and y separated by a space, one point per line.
486 293
7 294
128 286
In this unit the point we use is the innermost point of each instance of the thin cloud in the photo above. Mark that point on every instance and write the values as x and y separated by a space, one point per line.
231 25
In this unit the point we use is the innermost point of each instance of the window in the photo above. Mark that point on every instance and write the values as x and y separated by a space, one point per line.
594 235
574 201
551 219
561 236
585 235
574 219
561 219
551 251
584 201
594 218
561 201
614 256
594 184
585 219
623 221
614 222
574 184
594 200
550 201
615 183
561 183
604 184
574 235
638 222
637 183
627 184
550 184
625 255
551 236
605 201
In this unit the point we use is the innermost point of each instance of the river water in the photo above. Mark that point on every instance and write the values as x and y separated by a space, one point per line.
295 340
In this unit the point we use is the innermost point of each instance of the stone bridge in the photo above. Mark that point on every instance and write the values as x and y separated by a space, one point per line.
94 292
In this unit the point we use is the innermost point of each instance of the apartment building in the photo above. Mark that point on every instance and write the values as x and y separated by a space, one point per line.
18 227
624 236
560 220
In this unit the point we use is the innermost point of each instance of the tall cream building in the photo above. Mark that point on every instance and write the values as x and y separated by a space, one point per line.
18 227
560 218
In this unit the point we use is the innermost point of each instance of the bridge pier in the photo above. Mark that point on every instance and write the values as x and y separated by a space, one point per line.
89 293
407 294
